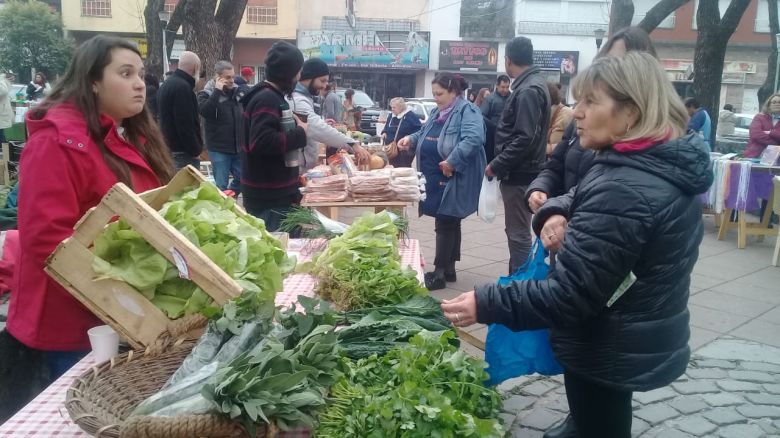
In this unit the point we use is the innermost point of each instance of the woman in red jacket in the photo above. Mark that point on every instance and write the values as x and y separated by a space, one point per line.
764 129
91 132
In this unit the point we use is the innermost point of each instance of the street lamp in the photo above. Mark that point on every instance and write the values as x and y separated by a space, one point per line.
599 34
777 58
165 17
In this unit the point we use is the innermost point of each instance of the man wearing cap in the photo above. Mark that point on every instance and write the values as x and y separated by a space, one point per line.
247 73
269 186
314 78
6 111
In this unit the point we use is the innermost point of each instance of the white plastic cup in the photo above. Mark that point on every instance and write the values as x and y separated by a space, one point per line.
104 341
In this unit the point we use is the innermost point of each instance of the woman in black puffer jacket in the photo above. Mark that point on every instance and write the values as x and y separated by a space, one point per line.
634 219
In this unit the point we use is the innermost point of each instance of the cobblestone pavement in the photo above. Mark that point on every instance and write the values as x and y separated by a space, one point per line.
730 390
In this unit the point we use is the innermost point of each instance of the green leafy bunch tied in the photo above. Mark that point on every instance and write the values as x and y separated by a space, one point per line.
362 267
428 388
235 241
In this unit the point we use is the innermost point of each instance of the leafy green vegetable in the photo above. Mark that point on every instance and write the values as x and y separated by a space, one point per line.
362 268
271 383
236 242
427 388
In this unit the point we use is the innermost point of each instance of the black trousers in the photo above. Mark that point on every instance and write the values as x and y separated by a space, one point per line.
598 411
447 242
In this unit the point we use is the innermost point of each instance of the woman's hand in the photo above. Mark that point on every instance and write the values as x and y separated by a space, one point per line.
536 200
461 310
404 143
446 169
553 232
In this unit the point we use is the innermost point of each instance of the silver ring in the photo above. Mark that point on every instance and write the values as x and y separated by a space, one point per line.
457 317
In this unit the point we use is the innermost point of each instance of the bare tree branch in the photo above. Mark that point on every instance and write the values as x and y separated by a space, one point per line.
621 15
658 13
769 83
733 15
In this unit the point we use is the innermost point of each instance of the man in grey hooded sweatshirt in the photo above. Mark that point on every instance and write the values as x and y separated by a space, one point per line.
314 78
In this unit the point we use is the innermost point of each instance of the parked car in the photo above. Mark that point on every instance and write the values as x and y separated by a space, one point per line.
370 113
421 106
742 127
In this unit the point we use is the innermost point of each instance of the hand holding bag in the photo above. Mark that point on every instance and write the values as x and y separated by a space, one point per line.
391 150
511 354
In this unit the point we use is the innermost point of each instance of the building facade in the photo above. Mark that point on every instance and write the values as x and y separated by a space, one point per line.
378 47
264 22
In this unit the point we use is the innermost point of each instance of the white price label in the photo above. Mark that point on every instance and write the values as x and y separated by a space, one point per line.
181 264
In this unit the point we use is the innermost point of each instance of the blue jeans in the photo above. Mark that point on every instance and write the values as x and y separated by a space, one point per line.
224 165
272 217
183 159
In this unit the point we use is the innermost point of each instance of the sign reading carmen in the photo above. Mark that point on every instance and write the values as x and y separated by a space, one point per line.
366 49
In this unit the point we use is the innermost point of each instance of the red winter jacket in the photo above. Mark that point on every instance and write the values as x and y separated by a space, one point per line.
62 175
759 139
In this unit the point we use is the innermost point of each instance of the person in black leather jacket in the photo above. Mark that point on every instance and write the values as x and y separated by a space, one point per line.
569 162
616 300
521 144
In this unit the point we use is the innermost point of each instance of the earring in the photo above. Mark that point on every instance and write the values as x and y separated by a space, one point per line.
628 128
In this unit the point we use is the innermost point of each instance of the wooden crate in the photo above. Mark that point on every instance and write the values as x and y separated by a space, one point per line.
118 304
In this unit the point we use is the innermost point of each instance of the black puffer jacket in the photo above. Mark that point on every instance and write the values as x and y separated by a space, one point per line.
633 212
222 114
567 165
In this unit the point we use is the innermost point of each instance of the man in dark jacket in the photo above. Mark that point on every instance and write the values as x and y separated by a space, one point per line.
178 111
521 143
269 186
219 105
493 105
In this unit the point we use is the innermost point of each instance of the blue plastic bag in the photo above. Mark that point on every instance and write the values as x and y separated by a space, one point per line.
512 354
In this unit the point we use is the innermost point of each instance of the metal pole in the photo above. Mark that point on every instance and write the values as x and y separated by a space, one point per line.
165 51
777 59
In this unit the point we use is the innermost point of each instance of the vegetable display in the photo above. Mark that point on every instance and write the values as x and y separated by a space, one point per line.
427 388
361 268
235 241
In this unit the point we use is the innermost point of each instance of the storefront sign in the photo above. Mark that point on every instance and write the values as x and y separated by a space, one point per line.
563 61
468 56
142 46
739 67
366 49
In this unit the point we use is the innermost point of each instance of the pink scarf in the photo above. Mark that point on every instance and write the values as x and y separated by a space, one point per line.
641 144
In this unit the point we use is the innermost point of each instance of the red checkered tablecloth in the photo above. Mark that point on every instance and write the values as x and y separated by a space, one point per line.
46 415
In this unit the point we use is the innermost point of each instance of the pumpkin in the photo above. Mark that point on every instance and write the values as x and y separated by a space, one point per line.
377 162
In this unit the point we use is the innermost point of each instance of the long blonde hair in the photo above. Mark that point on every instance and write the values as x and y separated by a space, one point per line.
637 82
765 108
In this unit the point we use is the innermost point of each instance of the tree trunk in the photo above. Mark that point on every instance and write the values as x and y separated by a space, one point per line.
209 30
658 13
621 14
768 88
154 56
714 35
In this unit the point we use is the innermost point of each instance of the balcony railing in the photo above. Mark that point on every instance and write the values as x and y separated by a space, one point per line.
261 14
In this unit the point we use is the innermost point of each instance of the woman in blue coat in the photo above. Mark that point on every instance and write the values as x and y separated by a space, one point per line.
450 153
403 122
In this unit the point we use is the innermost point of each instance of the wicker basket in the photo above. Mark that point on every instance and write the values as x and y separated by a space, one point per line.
101 400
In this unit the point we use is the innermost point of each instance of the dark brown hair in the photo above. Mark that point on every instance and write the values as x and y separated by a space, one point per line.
349 93
555 93
43 77
483 92
76 86
634 38
451 82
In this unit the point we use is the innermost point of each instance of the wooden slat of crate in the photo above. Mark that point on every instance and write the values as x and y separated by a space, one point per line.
71 262
116 303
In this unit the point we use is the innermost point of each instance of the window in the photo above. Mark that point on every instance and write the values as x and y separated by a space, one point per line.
762 20
261 12
95 8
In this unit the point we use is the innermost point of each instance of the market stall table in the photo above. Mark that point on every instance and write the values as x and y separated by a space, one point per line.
331 209
745 185
46 416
